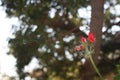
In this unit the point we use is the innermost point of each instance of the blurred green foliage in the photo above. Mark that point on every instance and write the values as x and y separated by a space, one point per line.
45 37
117 77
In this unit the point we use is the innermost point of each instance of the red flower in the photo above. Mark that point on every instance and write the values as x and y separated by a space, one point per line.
82 39
77 48
82 47
91 38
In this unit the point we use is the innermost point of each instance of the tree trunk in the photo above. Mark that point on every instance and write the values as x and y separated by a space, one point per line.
95 27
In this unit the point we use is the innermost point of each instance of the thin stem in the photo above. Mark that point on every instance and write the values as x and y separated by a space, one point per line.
94 66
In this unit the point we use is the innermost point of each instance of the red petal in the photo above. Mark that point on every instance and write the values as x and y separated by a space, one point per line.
82 39
91 37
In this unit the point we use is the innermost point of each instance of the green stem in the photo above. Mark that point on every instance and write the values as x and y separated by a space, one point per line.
94 66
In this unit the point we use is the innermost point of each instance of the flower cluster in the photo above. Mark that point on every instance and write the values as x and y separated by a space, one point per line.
86 48
86 42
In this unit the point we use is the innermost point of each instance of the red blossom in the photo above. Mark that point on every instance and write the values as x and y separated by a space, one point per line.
91 38
77 48
82 39
82 47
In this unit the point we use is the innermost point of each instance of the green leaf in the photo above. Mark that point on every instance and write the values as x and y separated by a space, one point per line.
117 77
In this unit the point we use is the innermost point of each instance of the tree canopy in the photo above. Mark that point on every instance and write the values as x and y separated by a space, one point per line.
49 31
